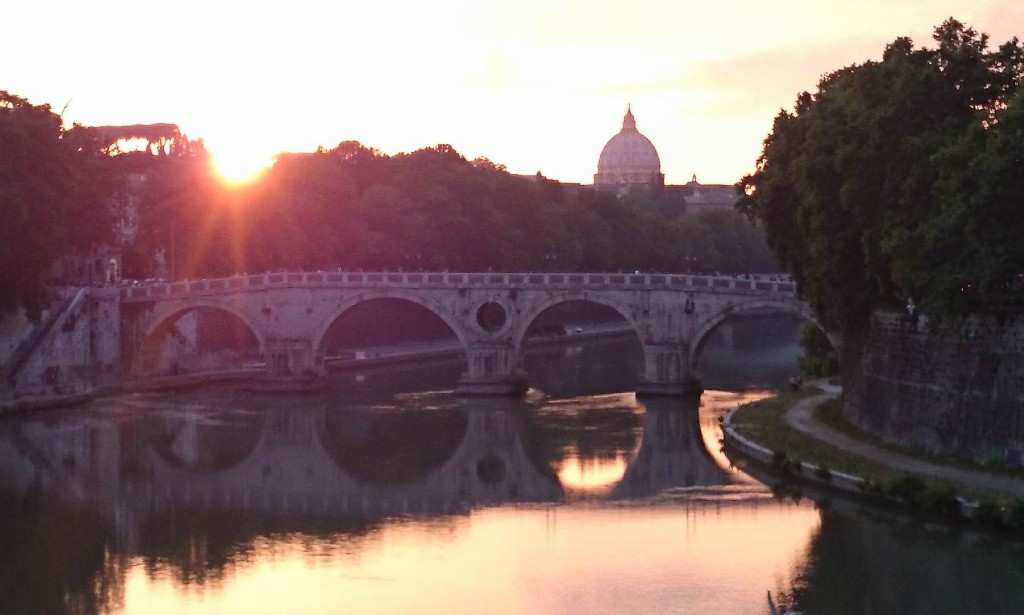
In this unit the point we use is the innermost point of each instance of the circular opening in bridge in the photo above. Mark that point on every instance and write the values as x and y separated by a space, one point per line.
491 316
581 347
490 470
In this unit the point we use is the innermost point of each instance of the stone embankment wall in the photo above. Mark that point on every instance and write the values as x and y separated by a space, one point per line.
78 351
952 391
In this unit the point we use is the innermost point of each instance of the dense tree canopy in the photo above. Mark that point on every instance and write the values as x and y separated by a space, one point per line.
54 186
355 207
348 207
900 180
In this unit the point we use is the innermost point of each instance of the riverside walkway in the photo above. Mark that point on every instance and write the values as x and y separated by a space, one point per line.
801 417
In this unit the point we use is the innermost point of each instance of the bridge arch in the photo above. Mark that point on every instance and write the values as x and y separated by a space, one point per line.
519 333
705 327
170 315
456 326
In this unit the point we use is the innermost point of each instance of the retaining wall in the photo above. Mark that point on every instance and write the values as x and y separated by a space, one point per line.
956 391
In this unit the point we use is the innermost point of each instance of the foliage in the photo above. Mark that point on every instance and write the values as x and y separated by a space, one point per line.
764 422
349 207
1016 514
54 186
818 358
910 489
971 258
354 207
990 513
866 188
824 473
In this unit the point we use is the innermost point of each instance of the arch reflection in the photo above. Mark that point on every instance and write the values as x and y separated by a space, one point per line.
672 453
193 486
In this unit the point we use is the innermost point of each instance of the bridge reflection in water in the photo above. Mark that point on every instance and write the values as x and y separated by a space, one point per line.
423 502
430 454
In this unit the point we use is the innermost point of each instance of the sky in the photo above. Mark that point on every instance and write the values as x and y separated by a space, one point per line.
537 85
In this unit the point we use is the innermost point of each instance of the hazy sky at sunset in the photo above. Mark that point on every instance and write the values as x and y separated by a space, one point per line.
533 84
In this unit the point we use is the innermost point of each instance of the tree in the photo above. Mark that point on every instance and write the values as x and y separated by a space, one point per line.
818 358
971 257
55 186
849 180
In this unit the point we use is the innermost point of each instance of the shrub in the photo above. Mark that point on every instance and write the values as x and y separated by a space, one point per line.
824 473
910 489
1016 516
940 501
990 513
785 465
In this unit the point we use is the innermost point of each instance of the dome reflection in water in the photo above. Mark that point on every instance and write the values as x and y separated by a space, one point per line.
375 501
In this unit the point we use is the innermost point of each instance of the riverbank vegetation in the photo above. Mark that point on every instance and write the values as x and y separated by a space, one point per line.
818 358
764 422
897 183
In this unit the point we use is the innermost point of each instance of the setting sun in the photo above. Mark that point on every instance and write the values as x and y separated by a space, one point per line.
238 165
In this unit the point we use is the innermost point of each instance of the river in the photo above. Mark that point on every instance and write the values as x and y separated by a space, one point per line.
387 494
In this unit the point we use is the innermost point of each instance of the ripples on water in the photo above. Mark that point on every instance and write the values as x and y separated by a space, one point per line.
382 498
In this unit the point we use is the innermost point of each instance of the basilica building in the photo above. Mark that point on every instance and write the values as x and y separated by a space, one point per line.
628 160
629 163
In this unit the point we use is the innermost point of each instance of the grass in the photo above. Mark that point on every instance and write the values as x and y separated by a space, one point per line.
762 421
830 414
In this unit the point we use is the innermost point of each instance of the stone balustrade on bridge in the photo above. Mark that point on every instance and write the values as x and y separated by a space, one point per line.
290 313
385 279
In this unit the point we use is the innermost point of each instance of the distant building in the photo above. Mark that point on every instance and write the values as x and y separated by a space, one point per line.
629 163
706 197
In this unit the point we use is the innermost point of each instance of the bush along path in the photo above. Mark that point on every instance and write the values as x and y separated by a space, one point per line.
783 433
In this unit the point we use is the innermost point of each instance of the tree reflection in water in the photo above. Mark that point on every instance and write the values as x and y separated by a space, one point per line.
861 562
199 488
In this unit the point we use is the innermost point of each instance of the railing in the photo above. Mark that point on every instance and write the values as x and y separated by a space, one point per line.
392 279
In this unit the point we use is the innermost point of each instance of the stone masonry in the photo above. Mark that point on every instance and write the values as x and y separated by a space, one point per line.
290 312
958 392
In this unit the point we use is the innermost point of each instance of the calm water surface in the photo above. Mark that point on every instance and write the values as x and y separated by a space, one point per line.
389 495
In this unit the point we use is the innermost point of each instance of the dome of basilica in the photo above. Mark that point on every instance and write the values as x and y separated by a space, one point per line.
628 158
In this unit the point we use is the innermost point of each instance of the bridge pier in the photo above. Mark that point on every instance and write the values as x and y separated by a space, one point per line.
492 368
293 359
666 371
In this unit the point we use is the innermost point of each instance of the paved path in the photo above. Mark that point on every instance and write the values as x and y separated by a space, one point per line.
801 418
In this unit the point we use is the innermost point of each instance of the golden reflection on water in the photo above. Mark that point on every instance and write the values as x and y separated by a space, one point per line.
687 550
716 404
594 475
686 558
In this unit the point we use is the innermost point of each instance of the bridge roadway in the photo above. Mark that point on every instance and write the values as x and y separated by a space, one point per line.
289 313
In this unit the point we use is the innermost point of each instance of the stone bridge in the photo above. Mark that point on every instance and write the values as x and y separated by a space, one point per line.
289 313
